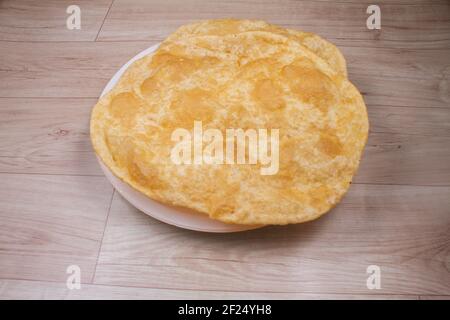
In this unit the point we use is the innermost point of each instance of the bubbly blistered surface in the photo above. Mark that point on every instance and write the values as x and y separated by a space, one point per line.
237 74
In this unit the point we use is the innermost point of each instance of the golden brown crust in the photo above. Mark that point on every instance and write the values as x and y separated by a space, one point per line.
250 75
220 27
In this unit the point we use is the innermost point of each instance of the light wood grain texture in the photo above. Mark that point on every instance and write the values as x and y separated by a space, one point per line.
54 201
46 20
434 297
403 92
50 222
154 20
62 69
405 159
20 289
397 63
409 121
46 136
405 230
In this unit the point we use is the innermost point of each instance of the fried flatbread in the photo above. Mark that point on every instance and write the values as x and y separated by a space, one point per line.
240 77
220 27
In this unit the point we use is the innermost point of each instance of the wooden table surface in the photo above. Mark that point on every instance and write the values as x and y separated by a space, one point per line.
57 209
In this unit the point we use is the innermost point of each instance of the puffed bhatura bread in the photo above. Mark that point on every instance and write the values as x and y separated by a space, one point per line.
322 48
237 74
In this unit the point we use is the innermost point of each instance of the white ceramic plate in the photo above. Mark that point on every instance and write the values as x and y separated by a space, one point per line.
180 217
